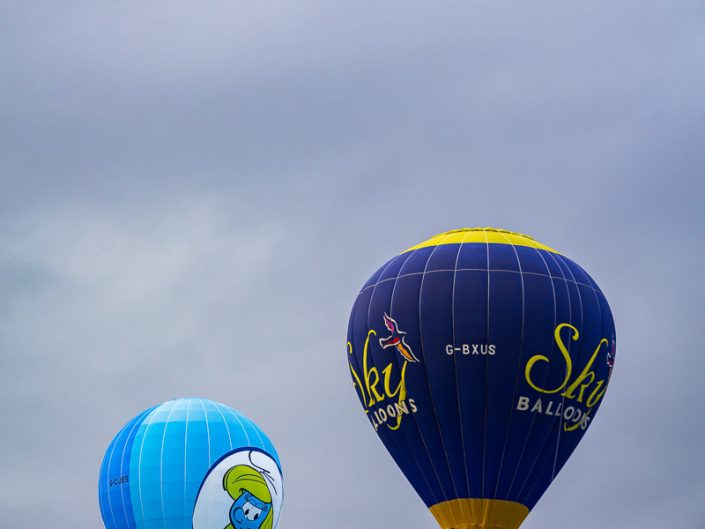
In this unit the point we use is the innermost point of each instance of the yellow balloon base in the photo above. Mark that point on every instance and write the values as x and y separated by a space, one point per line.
476 513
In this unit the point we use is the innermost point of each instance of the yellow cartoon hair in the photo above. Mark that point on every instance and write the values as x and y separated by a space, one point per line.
244 478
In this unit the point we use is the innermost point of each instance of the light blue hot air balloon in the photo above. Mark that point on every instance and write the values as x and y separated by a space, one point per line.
190 464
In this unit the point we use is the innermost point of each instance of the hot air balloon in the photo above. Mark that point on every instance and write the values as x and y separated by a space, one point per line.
480 357
190 464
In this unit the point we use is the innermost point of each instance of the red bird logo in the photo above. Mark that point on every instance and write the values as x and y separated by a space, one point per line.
397 340
611 355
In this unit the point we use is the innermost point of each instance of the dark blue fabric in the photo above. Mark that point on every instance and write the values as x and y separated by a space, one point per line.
477 317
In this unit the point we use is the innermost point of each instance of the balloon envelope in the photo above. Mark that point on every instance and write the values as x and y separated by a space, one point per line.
190 464
480 358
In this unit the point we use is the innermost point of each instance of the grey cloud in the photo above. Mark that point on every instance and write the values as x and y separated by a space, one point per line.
190 197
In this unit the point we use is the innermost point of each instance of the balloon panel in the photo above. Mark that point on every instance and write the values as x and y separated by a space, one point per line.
481 365
166 468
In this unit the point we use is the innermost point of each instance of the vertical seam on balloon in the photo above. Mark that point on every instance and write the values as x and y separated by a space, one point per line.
139 459
582 328
455 367
137 422
532 487
560 419
247 437
161 462
227 428
582 317
230 445
204 403
597 293
256 429
533 418
122 460
396 359
428 382
208 431
517 368
462 506
110 460
188 413
351 358
208 436
102 491
431 491
602 330
595 290
486 399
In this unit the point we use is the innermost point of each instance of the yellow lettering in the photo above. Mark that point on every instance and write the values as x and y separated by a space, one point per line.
572 427
542 358
357 383
583 387
387 371
578 388
587 372
371 374
370 390
596 394
400 390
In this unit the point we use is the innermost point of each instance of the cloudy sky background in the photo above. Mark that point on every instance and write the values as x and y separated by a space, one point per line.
191 195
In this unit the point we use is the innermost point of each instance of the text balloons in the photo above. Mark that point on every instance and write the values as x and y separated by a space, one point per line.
480 357
190 464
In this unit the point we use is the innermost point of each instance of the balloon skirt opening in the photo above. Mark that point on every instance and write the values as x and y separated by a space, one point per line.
477 513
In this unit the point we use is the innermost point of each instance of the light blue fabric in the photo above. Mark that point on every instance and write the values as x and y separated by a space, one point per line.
154 468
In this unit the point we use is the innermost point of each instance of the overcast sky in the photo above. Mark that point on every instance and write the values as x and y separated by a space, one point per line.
192 193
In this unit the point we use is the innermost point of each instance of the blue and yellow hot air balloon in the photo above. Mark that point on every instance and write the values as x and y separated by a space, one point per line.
190 464
480 357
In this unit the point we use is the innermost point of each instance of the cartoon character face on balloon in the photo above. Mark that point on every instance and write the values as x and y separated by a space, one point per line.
248 512
243 490
252 501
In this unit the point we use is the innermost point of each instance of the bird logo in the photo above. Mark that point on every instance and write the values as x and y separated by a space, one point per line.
611 355
396 339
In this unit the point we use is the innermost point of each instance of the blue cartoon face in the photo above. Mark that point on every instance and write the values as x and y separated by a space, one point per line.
248 512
